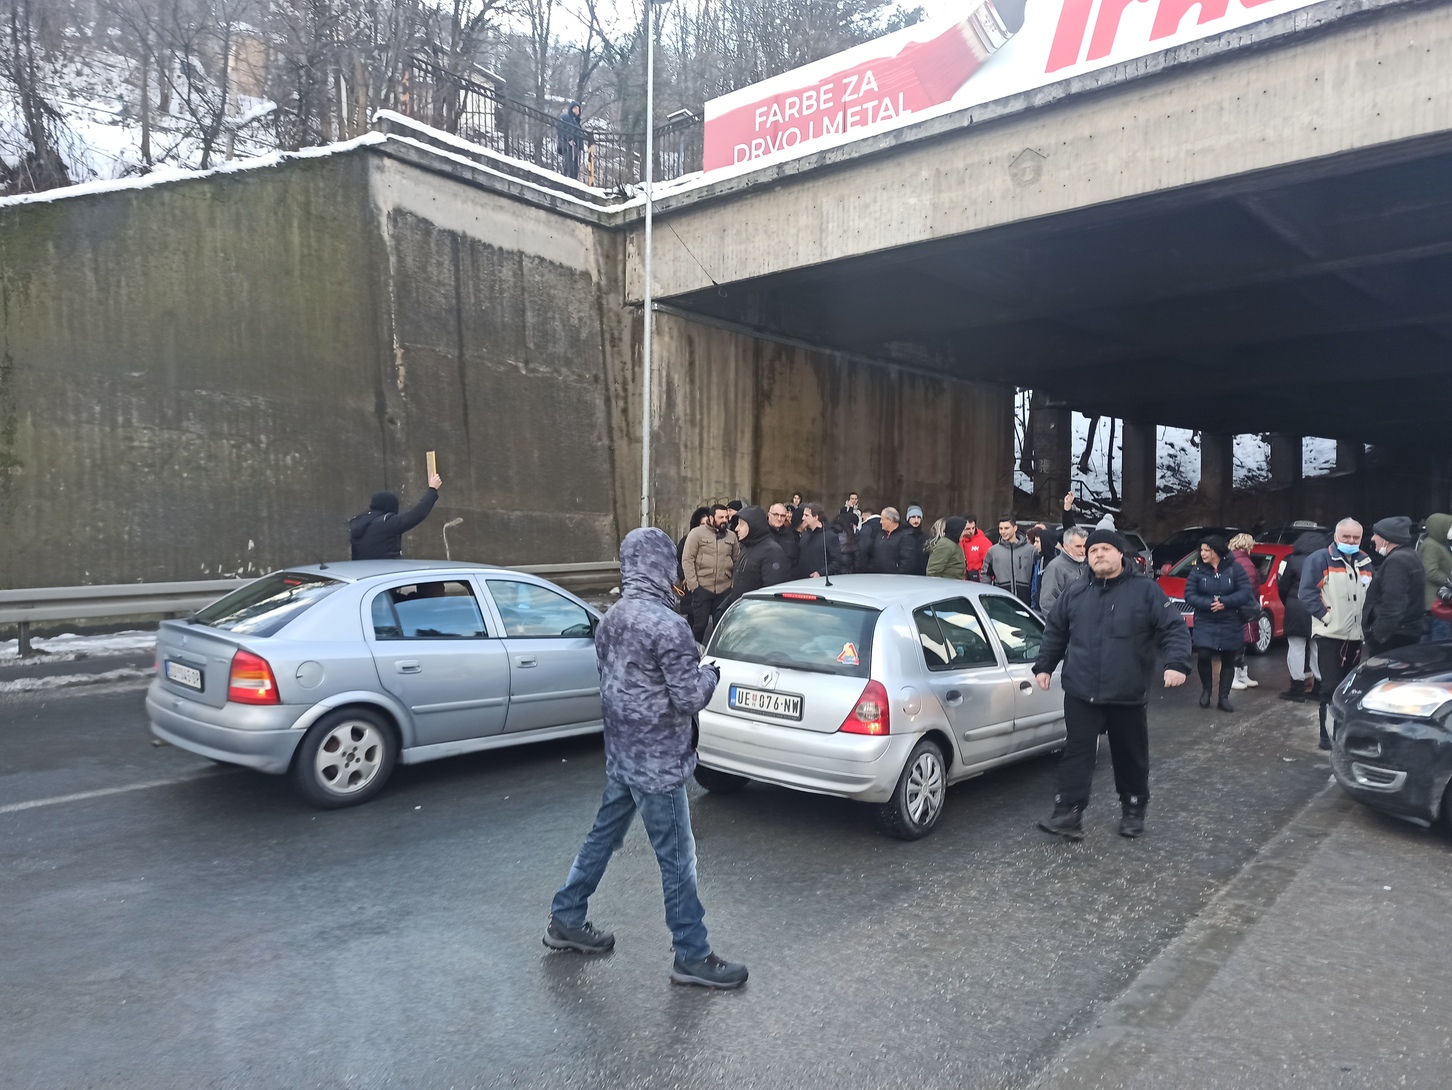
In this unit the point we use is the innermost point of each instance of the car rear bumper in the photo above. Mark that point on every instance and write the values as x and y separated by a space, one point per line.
852 766
257 737
1398 766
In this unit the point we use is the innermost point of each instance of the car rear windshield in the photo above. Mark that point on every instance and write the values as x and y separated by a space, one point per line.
263 607
820 636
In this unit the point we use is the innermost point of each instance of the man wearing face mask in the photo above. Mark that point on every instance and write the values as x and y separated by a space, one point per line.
1392 616
1333 590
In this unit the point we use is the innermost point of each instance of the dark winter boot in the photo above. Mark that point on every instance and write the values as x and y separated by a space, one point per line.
1066 821
1205 698
1325 742
1131 820
1224 703
1296 692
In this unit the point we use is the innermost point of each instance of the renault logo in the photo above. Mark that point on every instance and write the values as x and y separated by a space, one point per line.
769 679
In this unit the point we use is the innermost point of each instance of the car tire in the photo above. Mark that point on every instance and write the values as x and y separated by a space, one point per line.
719 783
344 759
1266 633
1444 819
917 801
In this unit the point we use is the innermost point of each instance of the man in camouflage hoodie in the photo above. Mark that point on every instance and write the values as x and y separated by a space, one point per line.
652 684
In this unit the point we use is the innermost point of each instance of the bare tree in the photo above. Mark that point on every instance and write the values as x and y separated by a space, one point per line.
29 33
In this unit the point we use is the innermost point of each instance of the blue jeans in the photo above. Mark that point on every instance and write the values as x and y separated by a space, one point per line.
1435 631
667 820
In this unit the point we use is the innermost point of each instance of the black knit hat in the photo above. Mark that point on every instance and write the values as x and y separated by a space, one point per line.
1106 536
1218 545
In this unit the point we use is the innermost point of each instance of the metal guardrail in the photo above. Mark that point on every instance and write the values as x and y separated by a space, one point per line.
26 606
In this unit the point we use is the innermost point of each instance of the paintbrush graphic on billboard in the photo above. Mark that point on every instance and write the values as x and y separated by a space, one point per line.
996 49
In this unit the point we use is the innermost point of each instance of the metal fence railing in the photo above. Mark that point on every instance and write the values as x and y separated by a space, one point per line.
30 605
482 114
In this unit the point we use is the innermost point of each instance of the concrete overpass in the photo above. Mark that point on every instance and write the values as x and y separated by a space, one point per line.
1252 233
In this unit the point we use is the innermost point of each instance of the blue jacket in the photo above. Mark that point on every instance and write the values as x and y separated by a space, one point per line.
1223 630
652 681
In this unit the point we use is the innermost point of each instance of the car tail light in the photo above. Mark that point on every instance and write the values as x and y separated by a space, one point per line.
251 680
871 714
798 596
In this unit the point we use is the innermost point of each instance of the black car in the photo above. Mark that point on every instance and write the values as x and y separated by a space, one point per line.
1288 535
1391 742
1183 542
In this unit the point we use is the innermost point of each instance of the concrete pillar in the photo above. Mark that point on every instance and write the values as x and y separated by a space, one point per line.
1349 456
1053 441
1285 461
1139 470
1217 474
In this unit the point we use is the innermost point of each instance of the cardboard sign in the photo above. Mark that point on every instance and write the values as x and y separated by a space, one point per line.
433 463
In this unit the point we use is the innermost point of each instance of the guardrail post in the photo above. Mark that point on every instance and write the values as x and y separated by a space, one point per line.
25 649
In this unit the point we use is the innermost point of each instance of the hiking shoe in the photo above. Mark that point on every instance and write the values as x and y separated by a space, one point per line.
713 972
1250 682
1131 821
1239 683
587 939
1065 821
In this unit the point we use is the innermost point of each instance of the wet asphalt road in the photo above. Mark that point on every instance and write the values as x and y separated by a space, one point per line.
212 931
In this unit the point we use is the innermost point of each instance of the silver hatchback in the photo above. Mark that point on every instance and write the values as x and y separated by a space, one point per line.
332 673
880 688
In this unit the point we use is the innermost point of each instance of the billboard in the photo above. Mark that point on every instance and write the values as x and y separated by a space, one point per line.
998 48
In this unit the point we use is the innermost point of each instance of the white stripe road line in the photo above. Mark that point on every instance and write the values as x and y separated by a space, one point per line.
81 796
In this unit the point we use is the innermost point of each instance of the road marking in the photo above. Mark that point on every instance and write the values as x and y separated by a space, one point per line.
81 796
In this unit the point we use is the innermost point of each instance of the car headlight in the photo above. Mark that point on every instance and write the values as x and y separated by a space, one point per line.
1416 698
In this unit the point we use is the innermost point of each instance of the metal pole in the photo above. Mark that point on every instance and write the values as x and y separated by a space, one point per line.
645 398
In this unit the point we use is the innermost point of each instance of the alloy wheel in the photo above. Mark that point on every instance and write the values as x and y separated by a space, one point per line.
1264 633
925 789
349 757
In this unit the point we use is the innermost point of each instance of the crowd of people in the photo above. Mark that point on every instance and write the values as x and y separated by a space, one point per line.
732 548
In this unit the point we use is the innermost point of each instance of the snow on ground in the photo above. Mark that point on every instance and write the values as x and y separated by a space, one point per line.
65 681
71 646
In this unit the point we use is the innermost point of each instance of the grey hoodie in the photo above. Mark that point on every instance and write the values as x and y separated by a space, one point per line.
652 681
1056 578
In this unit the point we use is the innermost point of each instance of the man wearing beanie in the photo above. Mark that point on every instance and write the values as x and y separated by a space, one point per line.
1392 615
920 540
1106 630
377 534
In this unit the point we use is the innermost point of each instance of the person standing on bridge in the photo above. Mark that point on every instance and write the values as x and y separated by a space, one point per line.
377 534
572 138
1106 630
652 685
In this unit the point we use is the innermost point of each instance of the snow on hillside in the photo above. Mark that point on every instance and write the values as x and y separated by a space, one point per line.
100 136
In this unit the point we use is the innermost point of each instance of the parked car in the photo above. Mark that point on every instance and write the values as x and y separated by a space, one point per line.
1286 535
879 688
1270 561
1391 733
1172 548
1141 555
332 673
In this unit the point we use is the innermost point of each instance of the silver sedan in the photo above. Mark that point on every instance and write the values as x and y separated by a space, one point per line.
332 673
880 688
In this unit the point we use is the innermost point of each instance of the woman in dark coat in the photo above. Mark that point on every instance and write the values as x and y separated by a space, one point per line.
1298 620
1216 588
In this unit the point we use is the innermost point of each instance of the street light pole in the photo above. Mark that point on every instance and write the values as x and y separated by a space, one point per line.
645 385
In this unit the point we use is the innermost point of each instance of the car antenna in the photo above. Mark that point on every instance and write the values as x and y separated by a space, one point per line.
826 561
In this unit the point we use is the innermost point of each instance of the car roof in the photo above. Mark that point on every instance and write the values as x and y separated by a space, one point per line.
880 591
354 571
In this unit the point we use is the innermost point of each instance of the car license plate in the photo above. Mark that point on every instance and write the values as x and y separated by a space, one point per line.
188 676
779 705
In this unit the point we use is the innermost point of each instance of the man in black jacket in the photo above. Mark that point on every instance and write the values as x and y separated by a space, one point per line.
761 563
377 534
821 550
1395 602
1106 630
889 551
780 518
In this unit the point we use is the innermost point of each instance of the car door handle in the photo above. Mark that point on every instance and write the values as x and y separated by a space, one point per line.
408 666
953 697
1025 685
526 660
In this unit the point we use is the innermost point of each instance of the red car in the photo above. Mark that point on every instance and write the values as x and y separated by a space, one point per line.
1270 561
